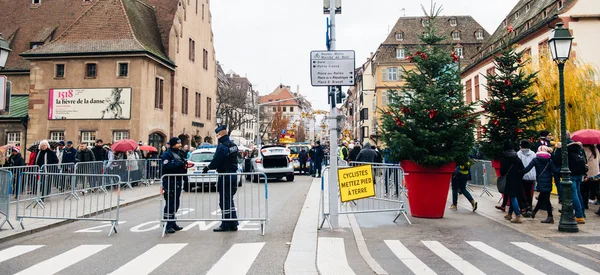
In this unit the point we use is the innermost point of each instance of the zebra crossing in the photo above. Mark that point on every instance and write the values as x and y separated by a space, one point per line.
435 249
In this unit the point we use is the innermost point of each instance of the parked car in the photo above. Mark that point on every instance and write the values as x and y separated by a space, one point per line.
197 161
272 160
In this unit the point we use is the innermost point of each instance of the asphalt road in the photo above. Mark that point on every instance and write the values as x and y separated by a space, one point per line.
138 248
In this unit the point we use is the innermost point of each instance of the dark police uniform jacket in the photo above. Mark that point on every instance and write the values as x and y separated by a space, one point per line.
173 163
225 158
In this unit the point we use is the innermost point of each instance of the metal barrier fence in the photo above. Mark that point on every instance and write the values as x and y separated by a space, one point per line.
6 179
131 172
64 168
242 201
91 168
16 172
484 175
52 203
389 187
153 170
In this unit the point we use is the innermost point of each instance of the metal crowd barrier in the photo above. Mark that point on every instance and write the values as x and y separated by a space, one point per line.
389 186
64 168
51 203
128 171
91 168
6 179
484 175
16 172
153 171
250 200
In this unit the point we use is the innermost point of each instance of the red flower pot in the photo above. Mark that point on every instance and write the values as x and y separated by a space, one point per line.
496 166
427 188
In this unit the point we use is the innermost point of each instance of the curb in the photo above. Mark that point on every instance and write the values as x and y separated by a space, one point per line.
25 232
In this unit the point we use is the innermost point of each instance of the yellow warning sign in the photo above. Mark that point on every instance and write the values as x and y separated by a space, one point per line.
356 183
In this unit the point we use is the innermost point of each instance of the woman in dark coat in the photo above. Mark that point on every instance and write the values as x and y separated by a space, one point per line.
45 156
511 167
544 169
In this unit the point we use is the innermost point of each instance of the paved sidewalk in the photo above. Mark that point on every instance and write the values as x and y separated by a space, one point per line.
532 227
128 196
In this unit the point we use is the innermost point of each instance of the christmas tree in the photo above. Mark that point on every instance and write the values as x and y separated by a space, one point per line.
427 121
512 110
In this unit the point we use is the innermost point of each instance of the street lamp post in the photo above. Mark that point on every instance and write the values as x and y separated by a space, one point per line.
560 47
4 51
258 136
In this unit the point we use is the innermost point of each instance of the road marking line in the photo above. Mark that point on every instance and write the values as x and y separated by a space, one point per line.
450 257
559 260
506 259
362 247
595 247
150 260
17 250
64 260
408 258
331 257
237 260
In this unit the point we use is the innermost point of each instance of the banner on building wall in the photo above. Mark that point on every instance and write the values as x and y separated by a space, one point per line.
101 104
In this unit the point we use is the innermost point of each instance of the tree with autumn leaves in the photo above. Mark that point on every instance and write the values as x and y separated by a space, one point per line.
512 110
427 121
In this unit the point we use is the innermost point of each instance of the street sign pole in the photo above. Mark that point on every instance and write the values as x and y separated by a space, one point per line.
333 146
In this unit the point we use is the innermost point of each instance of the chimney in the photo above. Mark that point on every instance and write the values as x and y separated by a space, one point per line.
371 56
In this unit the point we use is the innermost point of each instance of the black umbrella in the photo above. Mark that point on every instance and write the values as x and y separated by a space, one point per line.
35 146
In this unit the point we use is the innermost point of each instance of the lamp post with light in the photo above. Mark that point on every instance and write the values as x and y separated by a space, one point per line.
560 47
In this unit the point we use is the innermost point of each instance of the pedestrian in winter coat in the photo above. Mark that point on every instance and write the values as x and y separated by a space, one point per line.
15 158
526 156
354 153
45 156
511 167
545 168
303 158
578 168
589 186
367 154
317 159
84 154
69 153
60 150
544 139
459 182
100 154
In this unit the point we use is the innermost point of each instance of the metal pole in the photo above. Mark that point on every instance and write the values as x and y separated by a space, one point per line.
258 136
333 176
567 221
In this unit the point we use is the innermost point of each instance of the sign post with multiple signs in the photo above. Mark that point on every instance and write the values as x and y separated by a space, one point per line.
332 68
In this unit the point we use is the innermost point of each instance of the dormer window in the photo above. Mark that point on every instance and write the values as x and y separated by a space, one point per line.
36 2
479 35
453 22
527 7
400 53
455 35
545 14
399 36
527 26
560 4
517 15
504 23
34 45
425 22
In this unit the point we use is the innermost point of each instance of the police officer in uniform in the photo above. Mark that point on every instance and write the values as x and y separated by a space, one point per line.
225 161
173 162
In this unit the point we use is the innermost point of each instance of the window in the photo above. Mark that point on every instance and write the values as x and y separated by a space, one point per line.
34 45
292 109
196 6
364 132
208 108
399 36
527 7
476 87
119 135
60 71
36 2
198 108
425 22
274 109
455 35
453 22
192 48
88 137
90 70
284 109
364 114
469 94
517 14
545 14
392 74
560 4
400 53
504 23
459 51
123 69
158 93
205 59
527 25
13 137
479 35
184 100
543 47
57 135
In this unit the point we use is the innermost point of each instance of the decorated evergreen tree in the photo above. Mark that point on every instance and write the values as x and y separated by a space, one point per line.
427 121
512 110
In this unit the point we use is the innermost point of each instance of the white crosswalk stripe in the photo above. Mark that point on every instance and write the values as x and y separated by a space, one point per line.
150 260
595 247
508 260
16 251
237 260
454 260
559 260
408 258
331 257
64 260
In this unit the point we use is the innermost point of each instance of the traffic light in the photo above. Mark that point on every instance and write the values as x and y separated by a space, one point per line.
340 95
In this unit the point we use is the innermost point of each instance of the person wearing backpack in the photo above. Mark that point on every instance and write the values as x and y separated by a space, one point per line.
544 169
578 168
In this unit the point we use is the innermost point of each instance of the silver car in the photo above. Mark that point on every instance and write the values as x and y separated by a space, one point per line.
201 158
272 160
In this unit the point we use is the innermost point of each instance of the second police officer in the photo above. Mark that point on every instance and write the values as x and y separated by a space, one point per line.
225 161
173 163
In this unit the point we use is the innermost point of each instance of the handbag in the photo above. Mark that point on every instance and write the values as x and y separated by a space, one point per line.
501 183
537 178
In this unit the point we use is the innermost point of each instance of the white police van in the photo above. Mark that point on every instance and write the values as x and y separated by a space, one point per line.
199 159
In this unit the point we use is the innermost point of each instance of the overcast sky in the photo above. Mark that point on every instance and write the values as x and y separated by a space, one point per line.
270 41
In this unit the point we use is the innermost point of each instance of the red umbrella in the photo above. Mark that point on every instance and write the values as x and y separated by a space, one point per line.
124 145
148 148
587 136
